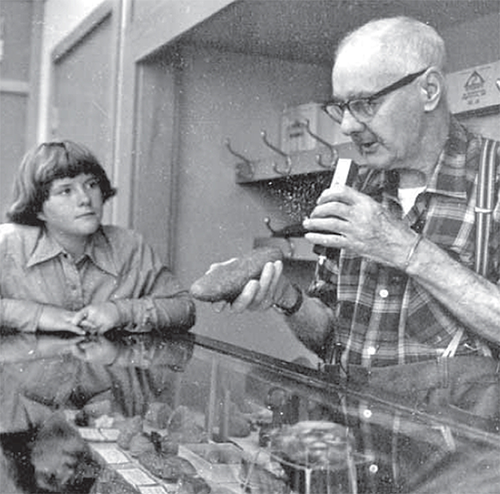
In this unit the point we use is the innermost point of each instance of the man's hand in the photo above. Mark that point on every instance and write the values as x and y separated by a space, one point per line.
97 318
348 219
272 287
56 319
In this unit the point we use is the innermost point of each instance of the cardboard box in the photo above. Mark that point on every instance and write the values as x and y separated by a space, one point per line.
294 134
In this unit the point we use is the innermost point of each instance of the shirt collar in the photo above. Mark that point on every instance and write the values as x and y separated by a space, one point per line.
46 248
449 176
98 250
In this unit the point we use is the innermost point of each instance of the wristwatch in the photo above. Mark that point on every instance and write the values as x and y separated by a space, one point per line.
289 311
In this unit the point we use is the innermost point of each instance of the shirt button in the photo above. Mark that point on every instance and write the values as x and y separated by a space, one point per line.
372 350
367 413
383 293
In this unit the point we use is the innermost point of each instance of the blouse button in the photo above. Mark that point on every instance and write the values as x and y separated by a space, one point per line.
383 293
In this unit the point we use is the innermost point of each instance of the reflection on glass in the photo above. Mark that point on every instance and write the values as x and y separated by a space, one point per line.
61 459
54 388
49 457
126 413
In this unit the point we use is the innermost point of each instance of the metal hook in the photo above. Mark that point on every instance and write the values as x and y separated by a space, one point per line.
288 161
334 155
275 233
333 160
245 168
267 221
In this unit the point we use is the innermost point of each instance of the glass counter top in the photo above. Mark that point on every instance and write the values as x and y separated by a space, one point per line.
152 414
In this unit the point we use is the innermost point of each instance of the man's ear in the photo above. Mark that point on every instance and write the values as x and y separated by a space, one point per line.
433 88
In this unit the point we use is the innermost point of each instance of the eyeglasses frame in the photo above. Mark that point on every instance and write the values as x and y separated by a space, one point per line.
407 79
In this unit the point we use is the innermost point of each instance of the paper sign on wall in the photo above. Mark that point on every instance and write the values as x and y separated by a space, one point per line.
475 88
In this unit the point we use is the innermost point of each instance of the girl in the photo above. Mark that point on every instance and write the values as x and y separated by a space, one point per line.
62 270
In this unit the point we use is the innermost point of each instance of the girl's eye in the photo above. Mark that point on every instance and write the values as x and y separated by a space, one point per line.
65 190
92 184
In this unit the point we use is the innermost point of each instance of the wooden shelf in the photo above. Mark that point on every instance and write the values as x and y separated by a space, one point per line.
300 163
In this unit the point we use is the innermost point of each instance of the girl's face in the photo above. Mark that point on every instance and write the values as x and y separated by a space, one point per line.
73 210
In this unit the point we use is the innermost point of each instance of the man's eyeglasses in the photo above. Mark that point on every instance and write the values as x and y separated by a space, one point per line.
364 109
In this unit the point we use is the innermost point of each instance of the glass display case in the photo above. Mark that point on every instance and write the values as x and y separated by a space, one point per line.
188 414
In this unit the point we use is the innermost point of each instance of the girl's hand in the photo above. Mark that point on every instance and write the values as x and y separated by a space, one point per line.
56 319
96 349
97 318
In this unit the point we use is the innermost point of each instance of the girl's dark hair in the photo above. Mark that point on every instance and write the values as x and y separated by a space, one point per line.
44 164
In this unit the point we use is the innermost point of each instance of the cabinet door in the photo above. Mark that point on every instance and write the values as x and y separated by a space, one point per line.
83 88
20 42
155 166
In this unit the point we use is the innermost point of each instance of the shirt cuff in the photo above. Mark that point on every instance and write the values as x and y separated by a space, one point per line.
23 315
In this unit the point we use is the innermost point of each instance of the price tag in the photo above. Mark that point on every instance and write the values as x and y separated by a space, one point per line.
136 476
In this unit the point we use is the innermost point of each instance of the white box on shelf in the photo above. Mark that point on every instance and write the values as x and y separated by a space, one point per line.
294 134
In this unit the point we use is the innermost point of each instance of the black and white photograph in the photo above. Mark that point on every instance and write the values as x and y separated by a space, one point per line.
250 246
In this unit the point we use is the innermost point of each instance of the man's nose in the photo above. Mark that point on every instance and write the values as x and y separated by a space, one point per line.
350 124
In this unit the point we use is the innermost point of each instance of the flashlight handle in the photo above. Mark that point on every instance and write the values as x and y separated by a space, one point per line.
345 174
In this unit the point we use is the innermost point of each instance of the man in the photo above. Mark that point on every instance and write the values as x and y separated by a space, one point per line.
404 294
406 290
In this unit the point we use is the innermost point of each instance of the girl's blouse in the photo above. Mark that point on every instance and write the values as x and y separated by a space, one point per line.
117 266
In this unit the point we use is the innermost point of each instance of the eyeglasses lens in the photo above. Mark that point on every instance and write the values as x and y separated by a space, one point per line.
335 111
361 110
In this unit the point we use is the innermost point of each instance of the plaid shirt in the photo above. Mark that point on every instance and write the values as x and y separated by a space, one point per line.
383 316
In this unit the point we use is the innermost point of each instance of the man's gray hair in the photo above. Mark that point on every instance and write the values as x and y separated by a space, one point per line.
409 44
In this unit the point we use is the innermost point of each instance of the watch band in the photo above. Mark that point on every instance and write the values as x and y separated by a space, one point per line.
289 311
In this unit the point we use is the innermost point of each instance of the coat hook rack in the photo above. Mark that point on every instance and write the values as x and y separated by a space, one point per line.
334 155
244 168
288 160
